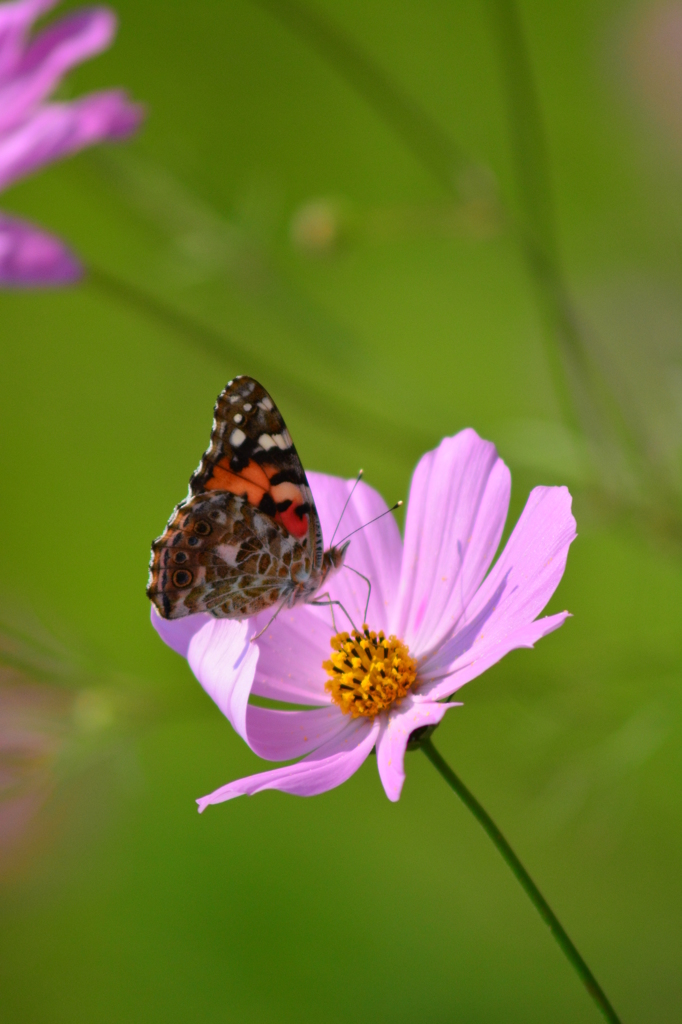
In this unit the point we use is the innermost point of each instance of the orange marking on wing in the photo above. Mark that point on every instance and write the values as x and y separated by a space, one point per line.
253 481
223 479
253 473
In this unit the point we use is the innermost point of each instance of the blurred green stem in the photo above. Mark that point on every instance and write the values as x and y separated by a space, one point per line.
427 141
353 419
213 343
537 232
583 396
531 889
586 396
436 151
528 135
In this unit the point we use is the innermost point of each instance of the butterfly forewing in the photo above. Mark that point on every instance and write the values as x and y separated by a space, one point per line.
248 535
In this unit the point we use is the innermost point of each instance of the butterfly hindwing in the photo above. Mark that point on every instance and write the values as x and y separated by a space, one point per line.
219 554
248 536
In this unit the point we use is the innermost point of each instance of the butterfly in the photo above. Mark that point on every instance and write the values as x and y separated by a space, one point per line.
248 536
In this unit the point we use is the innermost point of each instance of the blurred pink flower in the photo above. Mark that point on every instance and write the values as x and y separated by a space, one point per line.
32 734
35 132
432 592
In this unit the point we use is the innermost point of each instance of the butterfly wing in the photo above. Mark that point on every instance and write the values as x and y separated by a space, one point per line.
219 554
248 535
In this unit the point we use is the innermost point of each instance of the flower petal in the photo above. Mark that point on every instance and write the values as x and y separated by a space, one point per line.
516 590
375 551
223 659
456 513
284 735
15 21
31 258
326 768
481 656
395 733
48 57
56 130
292 650
177 633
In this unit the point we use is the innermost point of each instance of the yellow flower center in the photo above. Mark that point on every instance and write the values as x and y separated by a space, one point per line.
368 673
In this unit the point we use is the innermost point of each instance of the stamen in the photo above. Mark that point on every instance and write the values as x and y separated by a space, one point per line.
368 673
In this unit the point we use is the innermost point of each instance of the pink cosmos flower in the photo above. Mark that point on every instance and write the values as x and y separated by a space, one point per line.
445 619
35 132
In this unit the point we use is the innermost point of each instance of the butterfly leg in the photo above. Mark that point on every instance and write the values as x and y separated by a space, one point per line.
369 587
269 623
329 603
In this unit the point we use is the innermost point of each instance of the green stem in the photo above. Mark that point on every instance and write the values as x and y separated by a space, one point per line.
542 906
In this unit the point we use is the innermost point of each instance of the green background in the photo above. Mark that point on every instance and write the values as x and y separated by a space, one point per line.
123 904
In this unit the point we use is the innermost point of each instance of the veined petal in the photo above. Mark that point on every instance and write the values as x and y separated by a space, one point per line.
375 551
48 57
482 655
458 505
292 650
329 766
518 587
31 258
177 633
56 130
393 738
284 735
224 661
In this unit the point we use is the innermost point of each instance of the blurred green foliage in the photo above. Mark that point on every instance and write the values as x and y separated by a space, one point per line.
269 221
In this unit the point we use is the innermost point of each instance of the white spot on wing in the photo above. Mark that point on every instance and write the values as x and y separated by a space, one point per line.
227 553
237 437
247 407
266 442
283 440
238 417
266 403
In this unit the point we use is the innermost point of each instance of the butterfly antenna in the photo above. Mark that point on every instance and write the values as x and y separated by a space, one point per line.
343 510
392 509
